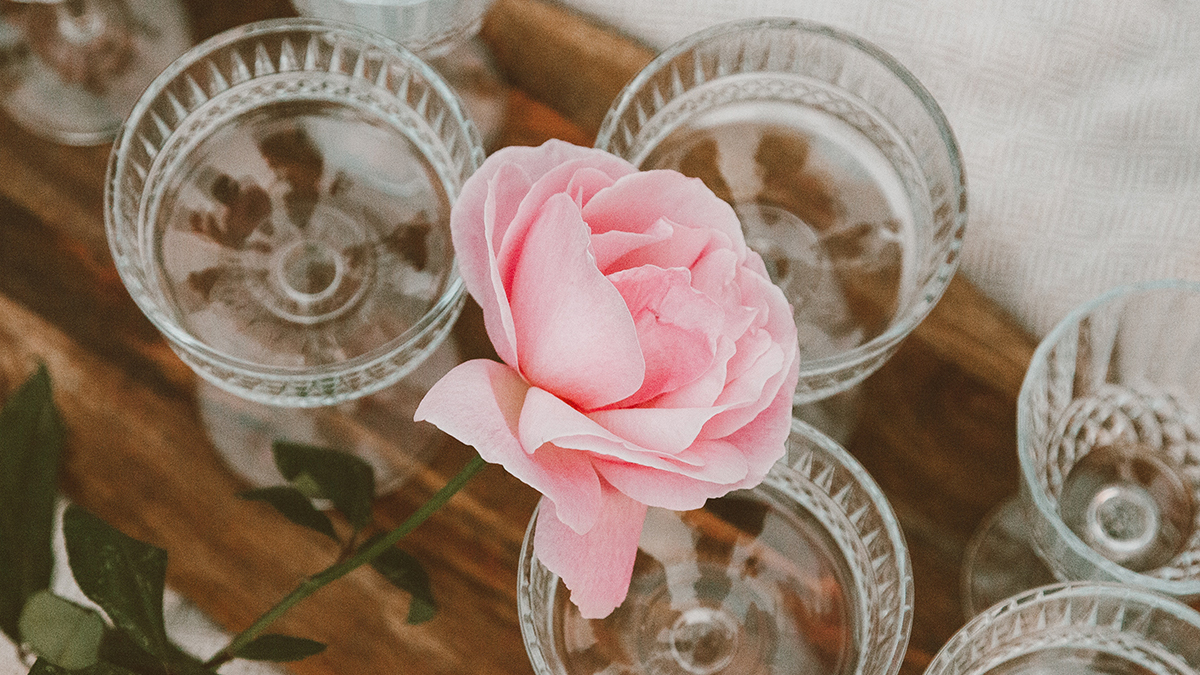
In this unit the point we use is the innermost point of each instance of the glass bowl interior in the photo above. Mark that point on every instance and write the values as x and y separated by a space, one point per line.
808 571
841 166
1108 432
278 205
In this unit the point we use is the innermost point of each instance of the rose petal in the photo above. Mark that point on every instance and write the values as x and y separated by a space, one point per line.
763 441
784 378
677 327
596 566
636 201
505 191
613 245
664 430
705 390
727 468
751 347
547 419
683 248
468 212
479 403
488 205
773 307
746 396
585 183
558 180
574 333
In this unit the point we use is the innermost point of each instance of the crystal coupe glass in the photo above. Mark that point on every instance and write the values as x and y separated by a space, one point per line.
842 168
278 204
71 70
1076 629
445 34
808 572
1108 442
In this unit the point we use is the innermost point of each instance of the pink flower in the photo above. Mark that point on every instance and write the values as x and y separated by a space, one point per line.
648 360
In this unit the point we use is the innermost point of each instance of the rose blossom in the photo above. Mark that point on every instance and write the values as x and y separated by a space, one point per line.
648 360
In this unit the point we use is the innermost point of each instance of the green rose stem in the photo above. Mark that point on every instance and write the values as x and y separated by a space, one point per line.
340 569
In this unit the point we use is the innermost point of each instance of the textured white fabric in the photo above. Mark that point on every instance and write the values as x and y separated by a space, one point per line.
1079 122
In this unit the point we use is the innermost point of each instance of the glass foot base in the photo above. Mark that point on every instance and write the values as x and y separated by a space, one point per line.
999 562
377 428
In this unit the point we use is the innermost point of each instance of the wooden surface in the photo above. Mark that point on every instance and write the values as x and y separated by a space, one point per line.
937 422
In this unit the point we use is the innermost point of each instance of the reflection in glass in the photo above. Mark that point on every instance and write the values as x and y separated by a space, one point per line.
806 573
1108 439
842 168
278 204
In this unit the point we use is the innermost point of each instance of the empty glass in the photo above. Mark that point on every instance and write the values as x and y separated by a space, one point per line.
71 70
1076 629
278 204
444 33
1108 439
808 572
841 166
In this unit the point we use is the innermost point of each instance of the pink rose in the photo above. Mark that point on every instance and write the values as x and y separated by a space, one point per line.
648 358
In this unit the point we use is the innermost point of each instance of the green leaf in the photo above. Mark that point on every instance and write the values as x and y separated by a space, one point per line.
405 572
279 648
294 506
118 649
343 479
31 437
121 574
61 631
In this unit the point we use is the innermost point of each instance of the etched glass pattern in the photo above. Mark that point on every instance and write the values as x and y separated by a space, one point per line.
842 168
278 204
1109 440
1077 628
812 572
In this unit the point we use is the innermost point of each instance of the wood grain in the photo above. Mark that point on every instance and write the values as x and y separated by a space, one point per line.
936 423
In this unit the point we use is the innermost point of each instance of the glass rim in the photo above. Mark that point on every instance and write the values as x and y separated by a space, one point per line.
933 289
1030 484
897 643
438 317
968 636
893 647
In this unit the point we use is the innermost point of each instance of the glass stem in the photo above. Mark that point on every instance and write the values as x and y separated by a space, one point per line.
340 569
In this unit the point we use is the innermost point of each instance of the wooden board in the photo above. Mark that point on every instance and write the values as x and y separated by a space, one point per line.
937 422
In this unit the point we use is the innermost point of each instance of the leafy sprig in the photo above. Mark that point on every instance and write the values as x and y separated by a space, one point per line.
31 437
126 577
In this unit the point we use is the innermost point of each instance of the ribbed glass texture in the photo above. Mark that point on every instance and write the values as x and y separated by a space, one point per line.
277 203
842 167
807 572
1111 401
1076 628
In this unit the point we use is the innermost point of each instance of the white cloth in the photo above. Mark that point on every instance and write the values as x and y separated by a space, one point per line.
1079 122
